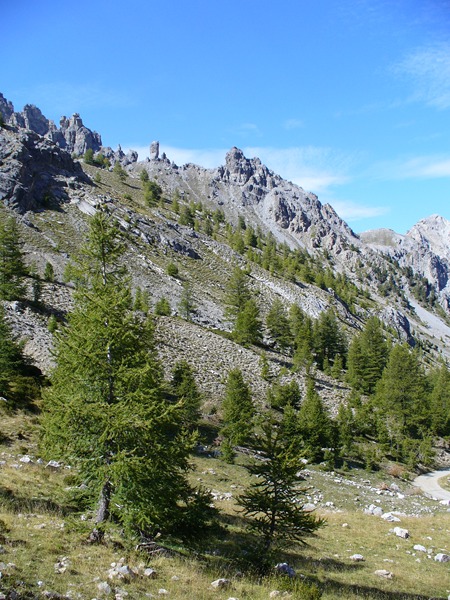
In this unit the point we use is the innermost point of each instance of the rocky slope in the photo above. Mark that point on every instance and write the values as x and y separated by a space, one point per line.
425 249
54 192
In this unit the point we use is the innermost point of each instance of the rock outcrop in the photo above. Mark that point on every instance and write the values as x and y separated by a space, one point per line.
34 170
425 249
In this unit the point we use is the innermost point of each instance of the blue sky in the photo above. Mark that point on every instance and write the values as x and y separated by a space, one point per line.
348 98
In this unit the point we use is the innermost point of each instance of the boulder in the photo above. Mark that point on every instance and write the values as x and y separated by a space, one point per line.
221 584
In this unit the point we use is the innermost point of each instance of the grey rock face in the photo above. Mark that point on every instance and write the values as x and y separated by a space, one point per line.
33 170
425 249
154 151
6 108
74 137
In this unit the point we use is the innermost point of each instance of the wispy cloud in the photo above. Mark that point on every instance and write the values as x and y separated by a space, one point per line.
315 169
428 69
352 211
293 124
419 167
247 129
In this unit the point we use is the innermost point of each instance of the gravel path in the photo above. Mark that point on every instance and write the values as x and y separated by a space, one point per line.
429 484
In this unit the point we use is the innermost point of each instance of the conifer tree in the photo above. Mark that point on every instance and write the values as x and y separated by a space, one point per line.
272 500
440 402
401 397
12 264
314 424
237 294
328 339
248 327
367 356
11 358
277 322
186 391
105 412
237 409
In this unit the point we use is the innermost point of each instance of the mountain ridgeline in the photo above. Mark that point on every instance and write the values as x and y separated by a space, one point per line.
245 271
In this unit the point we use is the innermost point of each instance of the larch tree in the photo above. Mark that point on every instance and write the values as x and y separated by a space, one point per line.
12 265
105 412
272 501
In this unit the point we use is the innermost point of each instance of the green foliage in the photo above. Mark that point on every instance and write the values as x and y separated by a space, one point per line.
314 425
402 400
272 500
277 323
237 293
186 391
237 409
12 265
367 357
186 305
187 216
162 308
141 300
120 171
281 395
172 270
49 272
19 383
152 192
328 339
248 327
143 176
52 324
89 156
105 412
440 401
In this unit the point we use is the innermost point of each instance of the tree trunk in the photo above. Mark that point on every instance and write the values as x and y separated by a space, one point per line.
104 502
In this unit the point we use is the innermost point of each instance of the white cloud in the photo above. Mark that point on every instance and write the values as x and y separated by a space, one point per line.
429 70
315 169
352 211
293 124
419 167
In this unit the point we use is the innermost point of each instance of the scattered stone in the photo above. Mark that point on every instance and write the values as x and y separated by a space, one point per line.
441 557
150 573
285 569
221 583
175 578
419 548
399 532
274 594
384 573
53 464
104 587
357 557
163 592
62 565
25 459
390 517
345 525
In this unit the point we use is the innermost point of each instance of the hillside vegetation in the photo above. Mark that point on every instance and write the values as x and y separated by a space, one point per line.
190 390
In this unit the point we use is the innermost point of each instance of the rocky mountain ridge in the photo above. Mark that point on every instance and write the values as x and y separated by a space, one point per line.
37 174
425 249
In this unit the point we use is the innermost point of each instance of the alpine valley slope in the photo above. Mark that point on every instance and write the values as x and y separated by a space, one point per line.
44 182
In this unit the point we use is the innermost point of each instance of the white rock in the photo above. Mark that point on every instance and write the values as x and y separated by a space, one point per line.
104 587
274 594
357 557
441 557
390 517
150 573
420 548
25 459
384 573
399 532
162 592
221 583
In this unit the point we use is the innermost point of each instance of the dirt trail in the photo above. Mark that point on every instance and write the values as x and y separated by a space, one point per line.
428 483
